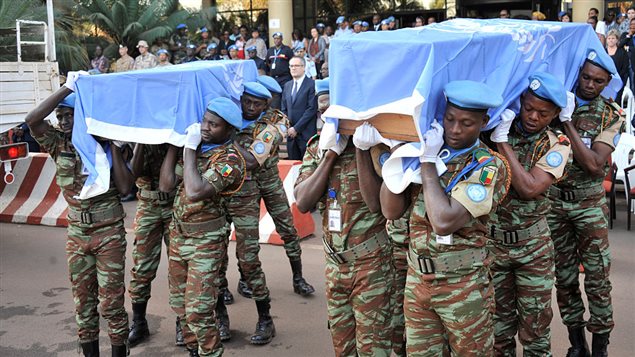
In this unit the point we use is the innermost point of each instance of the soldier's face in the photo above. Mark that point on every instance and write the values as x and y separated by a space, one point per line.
535 113
591 81
143 50
163 57
215 130
252 106
65 119
461 128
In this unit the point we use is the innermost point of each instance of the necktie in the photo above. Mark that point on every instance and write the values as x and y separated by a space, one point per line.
295 90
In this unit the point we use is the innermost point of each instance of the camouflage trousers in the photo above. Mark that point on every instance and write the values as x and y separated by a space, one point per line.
194 263
244 212
358 298
96 261
398 232
451 314
579 231
151 225
523 276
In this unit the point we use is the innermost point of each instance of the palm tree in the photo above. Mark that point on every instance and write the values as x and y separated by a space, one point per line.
128 21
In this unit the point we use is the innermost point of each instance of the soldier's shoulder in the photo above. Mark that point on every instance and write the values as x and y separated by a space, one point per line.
615 107
313 141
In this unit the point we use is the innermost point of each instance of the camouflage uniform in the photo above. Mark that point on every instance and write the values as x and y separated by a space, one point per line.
448 296
358 291
579 229
198 243
124 64
523 271
145 61
179 54
244 207
154 213
96 245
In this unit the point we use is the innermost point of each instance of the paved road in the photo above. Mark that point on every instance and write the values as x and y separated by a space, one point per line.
36 309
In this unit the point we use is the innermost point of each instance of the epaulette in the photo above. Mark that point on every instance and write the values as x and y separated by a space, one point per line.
481 155
561 138
314 137
616 107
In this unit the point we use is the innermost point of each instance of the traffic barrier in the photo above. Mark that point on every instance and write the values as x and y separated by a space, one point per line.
35 198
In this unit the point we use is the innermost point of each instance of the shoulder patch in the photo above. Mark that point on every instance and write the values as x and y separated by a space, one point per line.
259 148
616 139
481 155
616 107
476 192
554 159
226 170
487 175
315 138
267 137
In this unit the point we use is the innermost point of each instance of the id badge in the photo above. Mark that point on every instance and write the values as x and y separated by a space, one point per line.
335 220
273 65
587 141
445 240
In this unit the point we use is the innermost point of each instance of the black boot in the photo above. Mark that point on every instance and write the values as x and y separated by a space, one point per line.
222 321
179 341
193 352
139 329
91 349
599 345
227 296
119 351
265 330
244 289
300 286
579 347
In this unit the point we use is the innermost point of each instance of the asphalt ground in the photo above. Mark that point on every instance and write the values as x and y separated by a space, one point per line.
37 311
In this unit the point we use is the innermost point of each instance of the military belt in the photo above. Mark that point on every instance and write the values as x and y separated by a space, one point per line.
448 262
575 194
157 195
512 237
90 217
358 251
197 227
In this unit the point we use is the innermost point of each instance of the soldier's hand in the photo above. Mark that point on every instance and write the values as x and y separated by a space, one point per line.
72 77
339 147
500 134
193 136
433 141
567 112
366 136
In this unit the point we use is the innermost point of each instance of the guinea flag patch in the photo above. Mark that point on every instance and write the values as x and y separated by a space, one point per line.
487 175
226 170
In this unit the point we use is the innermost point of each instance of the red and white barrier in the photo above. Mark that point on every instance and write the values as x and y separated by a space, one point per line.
35 198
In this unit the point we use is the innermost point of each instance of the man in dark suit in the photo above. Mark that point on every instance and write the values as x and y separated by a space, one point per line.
300 106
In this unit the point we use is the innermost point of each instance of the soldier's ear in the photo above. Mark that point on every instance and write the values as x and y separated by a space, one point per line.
485 120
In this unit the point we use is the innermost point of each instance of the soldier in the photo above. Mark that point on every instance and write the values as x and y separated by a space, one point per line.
164 58
125 62
190 54
523 271
198 229
577 219
96 244
145 59
448 296
344 185
178 41
261 66
154 213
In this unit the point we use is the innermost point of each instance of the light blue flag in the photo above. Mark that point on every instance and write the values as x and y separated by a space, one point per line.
410 67
151 106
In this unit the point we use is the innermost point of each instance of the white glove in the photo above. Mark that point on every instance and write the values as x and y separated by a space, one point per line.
500 134
72 77
366 136
193 136
339 147
565 114
433 141
328 136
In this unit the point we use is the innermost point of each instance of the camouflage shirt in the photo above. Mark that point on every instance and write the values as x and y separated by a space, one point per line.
599 121
145 61
153 156
124 64
479 198
358 223
223 167
70 176
548 150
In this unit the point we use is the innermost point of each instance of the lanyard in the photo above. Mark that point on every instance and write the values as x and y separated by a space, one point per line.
207 147
276 53
472 166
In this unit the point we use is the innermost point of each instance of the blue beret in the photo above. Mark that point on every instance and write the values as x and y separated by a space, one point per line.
391 18
320 25
321 86
340 20
68 102
227 110
191 45
212 46
277 34
203 29
163 50
385 22
603 61
232 47
299 46
470 95
257 90
547 87
270 83
250 48
562 13
357 23
180 26
364 24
